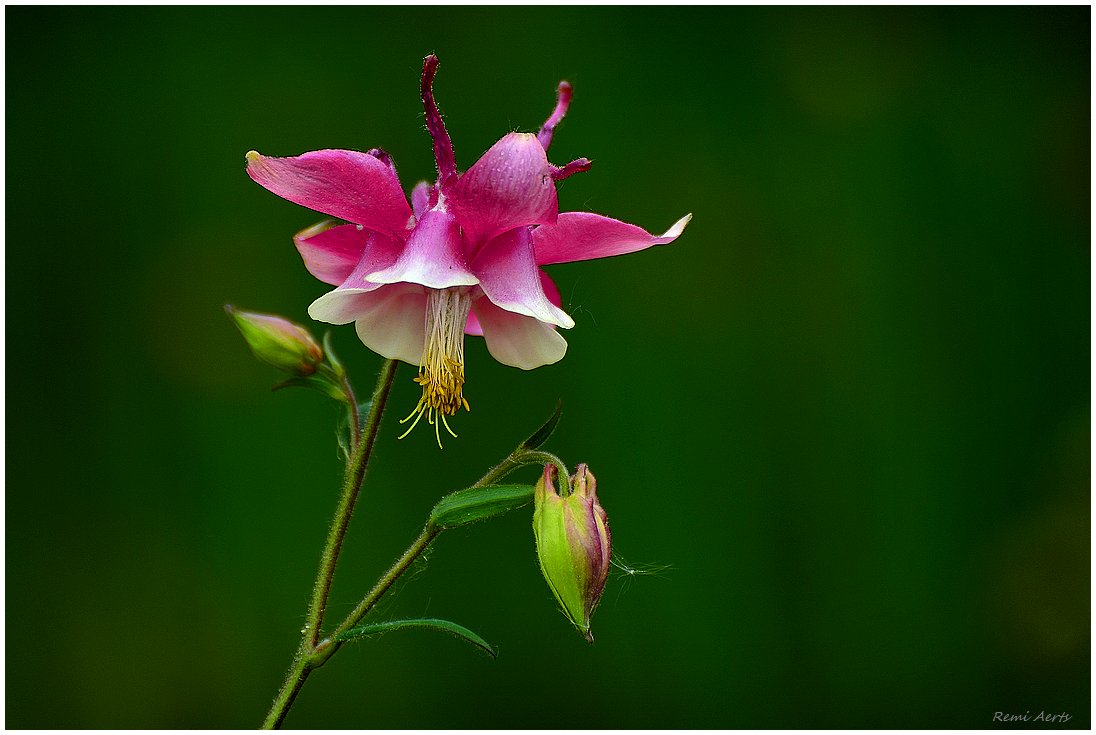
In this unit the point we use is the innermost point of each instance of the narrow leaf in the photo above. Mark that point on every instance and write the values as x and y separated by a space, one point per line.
342 436
445 626
479 503
292 383
541 435
316 381
329 352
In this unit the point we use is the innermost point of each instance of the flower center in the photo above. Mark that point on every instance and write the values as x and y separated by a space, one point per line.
441 373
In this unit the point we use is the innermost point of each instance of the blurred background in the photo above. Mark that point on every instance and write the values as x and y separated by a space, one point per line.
845 418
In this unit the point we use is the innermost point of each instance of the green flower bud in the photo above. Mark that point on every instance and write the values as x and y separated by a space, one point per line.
573 544
278 341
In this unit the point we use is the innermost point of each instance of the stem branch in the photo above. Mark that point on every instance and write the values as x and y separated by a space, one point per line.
313 652
362 448
535 456
329 645
352 483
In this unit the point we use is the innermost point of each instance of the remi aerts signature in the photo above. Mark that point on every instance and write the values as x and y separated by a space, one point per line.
1043 716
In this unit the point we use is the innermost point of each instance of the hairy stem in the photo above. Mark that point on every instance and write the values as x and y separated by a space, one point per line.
313 652
538 457
520 458
329 645
352 483
362 448
294 680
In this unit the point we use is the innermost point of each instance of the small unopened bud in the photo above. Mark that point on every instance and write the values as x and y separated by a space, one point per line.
573 543
278 341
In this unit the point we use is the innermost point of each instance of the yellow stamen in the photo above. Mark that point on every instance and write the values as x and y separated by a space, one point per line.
441 373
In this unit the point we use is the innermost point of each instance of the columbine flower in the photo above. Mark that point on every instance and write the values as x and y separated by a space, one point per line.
573 543
463 258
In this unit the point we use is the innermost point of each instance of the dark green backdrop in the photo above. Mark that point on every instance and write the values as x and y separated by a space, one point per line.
849 408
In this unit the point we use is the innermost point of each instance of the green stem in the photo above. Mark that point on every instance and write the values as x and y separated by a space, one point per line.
539 457
314 653
520 458
294 680
329 645
352 483
355 473
499 471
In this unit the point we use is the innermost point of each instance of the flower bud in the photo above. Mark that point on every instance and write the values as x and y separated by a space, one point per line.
278 341
573 543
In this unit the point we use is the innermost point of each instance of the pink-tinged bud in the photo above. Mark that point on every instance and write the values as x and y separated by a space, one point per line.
278 341
573 543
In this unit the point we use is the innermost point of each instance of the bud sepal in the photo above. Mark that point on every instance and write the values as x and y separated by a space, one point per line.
573 543
278 342
292 349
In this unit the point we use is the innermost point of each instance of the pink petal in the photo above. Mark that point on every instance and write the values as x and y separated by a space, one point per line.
509 186
550 289
519 341
341 305
420 197
585 236
433 256
509 276
350 185
472 326
331 251
395 324
390 320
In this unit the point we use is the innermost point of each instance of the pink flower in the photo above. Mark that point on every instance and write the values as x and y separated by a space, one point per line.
464 257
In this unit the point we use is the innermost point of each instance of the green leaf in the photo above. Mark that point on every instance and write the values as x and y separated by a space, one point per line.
317 381
479 503
342 436
445 626
344 429
329 352
541 435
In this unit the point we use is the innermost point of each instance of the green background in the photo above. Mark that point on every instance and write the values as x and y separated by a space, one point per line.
849 408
